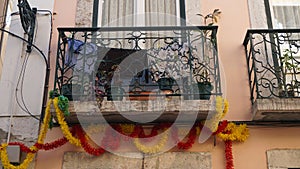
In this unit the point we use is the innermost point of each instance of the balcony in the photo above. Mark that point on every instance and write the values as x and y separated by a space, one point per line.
273 61
125 73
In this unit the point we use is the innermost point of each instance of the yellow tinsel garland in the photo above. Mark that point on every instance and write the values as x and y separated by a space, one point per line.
153 149
63 124
6 163
235 132
222 107
232 132
30 156
44 127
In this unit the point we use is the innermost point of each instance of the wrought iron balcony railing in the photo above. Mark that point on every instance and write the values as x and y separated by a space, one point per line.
129 62
273 60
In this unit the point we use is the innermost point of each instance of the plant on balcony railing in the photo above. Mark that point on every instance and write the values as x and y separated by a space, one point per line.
273 59
290 67
108 62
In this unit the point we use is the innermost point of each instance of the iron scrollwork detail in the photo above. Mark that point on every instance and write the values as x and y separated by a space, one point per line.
28 17
93 62
273 63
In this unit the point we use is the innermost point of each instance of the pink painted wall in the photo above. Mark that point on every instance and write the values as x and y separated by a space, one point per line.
233 25
248 155
64 16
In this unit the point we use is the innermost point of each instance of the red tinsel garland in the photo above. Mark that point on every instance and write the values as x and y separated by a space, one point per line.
52 145
126 136
228 155
84 143
23 147
190 139
112 141
46 146
221 127
138 131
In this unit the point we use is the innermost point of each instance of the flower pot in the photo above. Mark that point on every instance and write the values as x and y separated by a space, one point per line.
141 95
288 93
165 83
201 90
204 89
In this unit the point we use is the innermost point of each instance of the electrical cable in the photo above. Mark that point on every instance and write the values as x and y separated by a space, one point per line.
21 79
34 46
23 69
22 105
25 109
23 75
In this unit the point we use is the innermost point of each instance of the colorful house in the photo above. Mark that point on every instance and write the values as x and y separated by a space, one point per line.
150 84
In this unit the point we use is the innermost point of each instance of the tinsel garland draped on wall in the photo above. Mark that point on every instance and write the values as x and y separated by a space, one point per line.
227 131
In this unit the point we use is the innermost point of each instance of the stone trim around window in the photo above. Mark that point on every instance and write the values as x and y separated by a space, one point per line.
283 158
84 12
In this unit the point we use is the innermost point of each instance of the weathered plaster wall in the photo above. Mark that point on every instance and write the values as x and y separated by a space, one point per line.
171 160
23 127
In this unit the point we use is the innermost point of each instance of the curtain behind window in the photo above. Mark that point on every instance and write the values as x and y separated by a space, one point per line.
121 12
165 12
117 13
130 13
286 16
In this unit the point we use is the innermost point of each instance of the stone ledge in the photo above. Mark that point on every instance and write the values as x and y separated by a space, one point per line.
276 109
157 111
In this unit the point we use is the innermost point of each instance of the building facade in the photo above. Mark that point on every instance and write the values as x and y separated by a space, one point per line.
104 56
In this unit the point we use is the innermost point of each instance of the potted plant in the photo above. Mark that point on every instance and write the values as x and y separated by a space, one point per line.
203 87
291 90
289 67
165 83
213 17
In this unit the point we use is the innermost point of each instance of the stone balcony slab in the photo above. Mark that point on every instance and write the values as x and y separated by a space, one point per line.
276 109
152 111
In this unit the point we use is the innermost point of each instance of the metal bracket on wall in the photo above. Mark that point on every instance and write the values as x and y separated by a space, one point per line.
28 17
